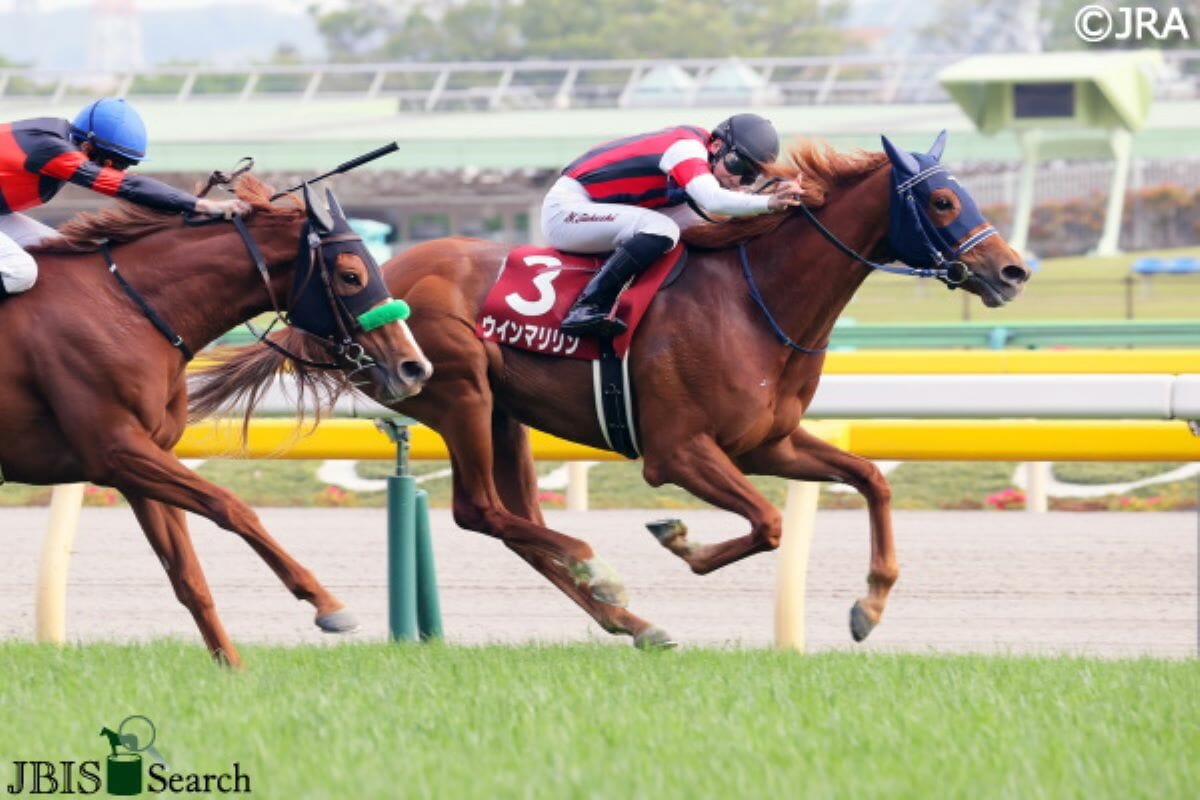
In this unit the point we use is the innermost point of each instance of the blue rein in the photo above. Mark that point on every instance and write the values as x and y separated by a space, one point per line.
762 306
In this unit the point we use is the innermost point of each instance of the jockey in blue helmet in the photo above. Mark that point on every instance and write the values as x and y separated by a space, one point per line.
39 156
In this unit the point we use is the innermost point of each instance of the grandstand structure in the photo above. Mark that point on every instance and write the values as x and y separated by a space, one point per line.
481 140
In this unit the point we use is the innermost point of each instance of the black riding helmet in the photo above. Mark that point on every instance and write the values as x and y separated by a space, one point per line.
750 136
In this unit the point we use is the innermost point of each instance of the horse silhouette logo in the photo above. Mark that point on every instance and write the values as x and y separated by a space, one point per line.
123 770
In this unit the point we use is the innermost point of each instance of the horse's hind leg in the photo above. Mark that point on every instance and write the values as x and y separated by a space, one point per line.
465 422
166 530
138 467
516 480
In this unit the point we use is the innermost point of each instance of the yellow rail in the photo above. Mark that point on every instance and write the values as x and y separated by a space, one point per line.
1024 440
991 362
933 440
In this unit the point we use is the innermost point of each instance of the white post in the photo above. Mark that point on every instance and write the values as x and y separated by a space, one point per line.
1029 141
577 485
65 503
791 578
1121 142
534 235
1037 481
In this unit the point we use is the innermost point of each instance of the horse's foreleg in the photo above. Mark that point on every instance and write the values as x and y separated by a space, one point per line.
700 466
516 481
166 530
802 456
138 467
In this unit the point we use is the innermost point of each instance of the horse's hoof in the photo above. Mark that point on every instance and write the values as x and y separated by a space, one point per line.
860 624
340 621
602 582
654 638
666 529
672 534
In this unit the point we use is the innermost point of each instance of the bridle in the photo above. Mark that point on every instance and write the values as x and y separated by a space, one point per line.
947 266
314 307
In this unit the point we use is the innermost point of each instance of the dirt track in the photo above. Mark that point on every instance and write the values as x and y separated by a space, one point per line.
1098 584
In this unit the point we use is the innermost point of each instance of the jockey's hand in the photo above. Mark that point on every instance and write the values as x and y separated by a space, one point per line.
222 208
785 194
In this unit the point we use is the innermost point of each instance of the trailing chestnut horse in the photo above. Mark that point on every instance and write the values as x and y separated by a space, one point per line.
90 390
725 362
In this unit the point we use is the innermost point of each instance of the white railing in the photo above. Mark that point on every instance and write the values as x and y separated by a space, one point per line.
508 85
1079 179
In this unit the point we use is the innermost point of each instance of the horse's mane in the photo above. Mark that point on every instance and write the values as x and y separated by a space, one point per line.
125 221
822 170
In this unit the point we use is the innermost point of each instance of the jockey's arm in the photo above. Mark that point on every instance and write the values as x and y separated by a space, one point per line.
687 162
72 165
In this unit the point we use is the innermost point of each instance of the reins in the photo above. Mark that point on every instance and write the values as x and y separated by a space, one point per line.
347 349
950 271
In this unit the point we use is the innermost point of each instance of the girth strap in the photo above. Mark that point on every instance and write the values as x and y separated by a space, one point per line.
614 401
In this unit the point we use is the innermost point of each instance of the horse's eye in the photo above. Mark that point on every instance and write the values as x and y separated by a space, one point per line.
942 204
350 278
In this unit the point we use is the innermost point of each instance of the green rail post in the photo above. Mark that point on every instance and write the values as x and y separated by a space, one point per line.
402 539
429 607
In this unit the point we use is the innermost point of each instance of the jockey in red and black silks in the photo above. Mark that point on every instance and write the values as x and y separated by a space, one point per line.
39 156
632 195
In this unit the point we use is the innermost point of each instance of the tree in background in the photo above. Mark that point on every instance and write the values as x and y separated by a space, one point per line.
561 29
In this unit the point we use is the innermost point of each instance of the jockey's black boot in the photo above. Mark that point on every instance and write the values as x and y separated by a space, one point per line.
590 315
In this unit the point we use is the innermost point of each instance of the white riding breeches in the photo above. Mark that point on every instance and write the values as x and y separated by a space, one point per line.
572 221
18 270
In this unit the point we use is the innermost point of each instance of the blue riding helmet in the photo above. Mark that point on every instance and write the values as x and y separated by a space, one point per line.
112 125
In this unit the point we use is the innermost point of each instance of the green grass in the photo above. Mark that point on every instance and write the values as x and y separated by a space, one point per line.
1078 288
604 721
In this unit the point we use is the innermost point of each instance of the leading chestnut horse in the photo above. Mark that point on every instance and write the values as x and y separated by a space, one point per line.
725 362
90 390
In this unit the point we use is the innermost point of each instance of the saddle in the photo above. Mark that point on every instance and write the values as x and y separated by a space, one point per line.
536 287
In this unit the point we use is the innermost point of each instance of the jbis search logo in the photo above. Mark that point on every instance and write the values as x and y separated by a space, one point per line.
1095 23
123 773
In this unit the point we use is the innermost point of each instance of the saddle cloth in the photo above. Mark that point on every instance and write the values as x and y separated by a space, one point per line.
537 286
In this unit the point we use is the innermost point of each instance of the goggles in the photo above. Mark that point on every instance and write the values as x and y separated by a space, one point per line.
114 160
740 167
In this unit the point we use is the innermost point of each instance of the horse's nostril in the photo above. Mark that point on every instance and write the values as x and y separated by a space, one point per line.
414 371
1015 273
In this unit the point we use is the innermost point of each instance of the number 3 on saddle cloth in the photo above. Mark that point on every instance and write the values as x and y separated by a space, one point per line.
537 286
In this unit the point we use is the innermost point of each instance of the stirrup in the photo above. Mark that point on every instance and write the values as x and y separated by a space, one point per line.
597 323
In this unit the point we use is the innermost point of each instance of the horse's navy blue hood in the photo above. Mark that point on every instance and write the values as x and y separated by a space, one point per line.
913 237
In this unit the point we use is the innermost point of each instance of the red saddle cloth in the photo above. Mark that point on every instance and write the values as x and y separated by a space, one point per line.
536 287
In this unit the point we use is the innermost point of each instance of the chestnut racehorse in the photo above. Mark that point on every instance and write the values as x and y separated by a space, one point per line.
725 362
90 390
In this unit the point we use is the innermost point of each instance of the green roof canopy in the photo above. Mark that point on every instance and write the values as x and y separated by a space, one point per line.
1113 89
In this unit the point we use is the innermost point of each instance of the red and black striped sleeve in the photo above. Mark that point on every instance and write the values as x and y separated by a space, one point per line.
55 156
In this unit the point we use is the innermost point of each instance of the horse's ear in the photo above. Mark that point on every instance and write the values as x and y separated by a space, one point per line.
939 146
901 158
335 208
318 213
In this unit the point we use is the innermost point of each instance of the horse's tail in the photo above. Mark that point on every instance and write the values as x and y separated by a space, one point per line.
239 377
